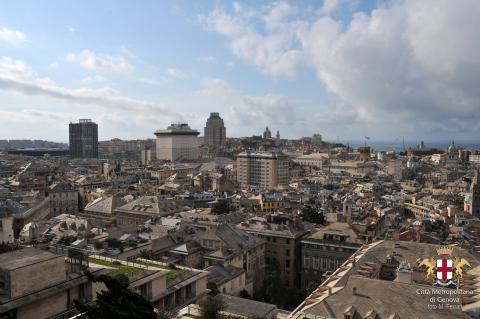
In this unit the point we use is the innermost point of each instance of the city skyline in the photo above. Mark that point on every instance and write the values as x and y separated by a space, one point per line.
346 69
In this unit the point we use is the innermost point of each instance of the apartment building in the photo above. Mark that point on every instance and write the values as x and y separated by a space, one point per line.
265 170
283 236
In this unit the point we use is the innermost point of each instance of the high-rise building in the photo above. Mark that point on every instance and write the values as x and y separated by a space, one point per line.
265 170
475 196
178 142
83 139
316 139
215 132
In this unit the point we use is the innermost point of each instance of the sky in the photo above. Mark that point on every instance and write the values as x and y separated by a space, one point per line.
342 68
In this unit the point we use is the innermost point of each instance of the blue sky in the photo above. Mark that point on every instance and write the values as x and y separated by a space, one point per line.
342 68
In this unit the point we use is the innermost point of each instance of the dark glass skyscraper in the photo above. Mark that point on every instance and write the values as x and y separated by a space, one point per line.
83 139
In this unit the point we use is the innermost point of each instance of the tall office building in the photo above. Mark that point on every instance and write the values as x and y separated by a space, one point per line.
178 142
265 170
475 196
316 139
83 139
215 132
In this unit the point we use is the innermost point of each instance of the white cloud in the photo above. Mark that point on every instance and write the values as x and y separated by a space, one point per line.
245 110
16 76
10 36
70 29
91 61
223 23
54 65
274 53
151 81
207 59
178 73
93 79
406 61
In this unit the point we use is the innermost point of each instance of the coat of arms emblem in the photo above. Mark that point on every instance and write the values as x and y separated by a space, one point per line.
446 270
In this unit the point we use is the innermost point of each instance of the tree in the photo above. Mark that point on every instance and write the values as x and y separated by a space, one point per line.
211 306
220 207
310 214
213 288
244 294
117 302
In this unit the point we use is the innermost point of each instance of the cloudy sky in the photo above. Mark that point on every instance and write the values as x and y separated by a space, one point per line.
342 68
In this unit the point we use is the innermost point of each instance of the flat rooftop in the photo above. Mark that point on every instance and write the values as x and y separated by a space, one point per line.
25 257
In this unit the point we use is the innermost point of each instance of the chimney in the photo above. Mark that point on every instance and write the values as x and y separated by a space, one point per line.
354 290
329 291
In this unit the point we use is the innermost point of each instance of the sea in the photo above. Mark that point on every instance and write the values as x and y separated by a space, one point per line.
398 145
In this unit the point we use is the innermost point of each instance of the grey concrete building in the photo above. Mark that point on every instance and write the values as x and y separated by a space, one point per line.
83 139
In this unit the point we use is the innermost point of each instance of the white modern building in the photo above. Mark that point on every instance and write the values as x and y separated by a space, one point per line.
178 142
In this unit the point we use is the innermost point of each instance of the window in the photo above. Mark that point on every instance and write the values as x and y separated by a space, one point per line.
287 263
287 252
306 261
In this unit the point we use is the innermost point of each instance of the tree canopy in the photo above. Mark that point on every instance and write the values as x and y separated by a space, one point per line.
117 302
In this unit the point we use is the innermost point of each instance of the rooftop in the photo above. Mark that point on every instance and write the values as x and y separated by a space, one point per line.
25 257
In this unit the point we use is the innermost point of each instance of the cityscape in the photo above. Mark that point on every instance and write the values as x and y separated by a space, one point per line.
308 160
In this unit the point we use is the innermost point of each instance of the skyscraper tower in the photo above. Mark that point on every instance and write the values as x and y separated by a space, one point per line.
475 195
215 132
83 138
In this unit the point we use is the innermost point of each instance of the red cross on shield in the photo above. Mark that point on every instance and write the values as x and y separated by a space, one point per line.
444 269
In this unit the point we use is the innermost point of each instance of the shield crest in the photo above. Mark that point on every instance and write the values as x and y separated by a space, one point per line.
444 269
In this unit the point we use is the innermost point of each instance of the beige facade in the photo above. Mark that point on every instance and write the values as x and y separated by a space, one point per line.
178 142
265 170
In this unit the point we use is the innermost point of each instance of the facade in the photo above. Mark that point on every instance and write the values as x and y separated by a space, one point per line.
34 284
63 199
283 238
272 202
215 132
316 139
178 142
475 196
6 227
262 169
83 139
325 250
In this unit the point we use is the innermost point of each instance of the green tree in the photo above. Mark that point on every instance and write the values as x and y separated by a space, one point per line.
211 306
117 302
311 215
220 207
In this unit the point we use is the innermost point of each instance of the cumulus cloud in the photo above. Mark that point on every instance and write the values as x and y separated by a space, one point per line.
93 79
404 61
16 76
10 36
178 73
245 110
273 52
92 61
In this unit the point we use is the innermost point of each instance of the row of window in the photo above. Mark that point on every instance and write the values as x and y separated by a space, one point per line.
321 263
